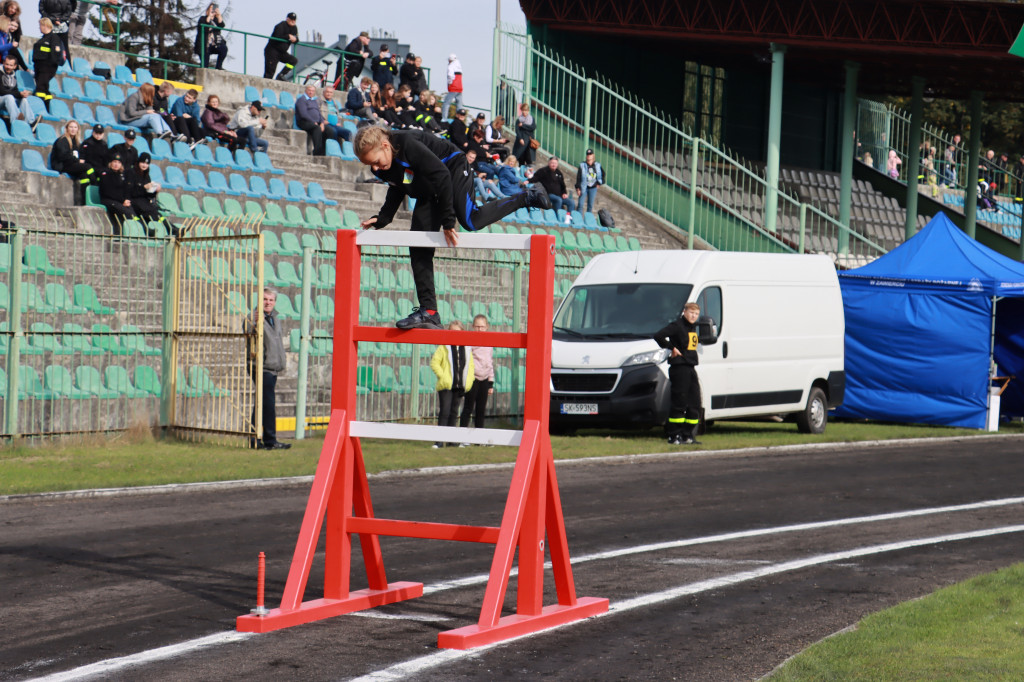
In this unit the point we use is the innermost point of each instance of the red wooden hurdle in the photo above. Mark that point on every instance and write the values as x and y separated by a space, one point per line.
340 494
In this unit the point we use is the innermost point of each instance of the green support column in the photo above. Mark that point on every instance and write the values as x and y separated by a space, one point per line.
971 190
495 59
694 165
168 349
517 317
849 129
14 325
587 99
914 162
307 295
771 204
528 71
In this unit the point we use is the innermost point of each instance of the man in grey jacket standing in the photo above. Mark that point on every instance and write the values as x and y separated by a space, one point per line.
274 362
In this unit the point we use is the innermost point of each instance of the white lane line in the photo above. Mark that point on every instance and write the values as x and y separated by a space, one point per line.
423 618
470 581
423 663
112 665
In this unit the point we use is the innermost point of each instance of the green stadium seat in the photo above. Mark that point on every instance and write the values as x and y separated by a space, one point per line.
621 244
233 208
384 379
364 380
37 260
286 273
311 241
444 310
333 219
496 314
428 380
386 280
58 380
199 378
351 219
290 244
404 306
462 312
271 244
5 257
326 276
502 379
88 379
85 296
133 341
57 296
367 310
190 207
183 387
405 281
314 218
5 297
43 339
386 310
134 228
634 244
367 278
404 384
77 340
293 216
243 272
285 309
116 378
146 379
102 337
31 299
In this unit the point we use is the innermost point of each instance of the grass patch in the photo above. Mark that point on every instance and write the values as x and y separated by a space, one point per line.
970 631
135 459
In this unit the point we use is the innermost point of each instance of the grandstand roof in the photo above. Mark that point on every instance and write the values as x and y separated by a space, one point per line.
956 46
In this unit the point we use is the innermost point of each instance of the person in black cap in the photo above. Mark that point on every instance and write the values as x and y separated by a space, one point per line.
458 130
409 74
248 124
143 193
384 68
281 39
350 69
95 150
116 193
126 150
589 177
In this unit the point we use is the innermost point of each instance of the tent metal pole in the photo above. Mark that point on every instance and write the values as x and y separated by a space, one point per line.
991 358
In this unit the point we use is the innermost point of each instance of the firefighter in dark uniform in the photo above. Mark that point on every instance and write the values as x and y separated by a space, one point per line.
433 171
116 193
47 55
680 337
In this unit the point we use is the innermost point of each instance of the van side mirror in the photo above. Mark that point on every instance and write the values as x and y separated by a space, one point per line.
707 331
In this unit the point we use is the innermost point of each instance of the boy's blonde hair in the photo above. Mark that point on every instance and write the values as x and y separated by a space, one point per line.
691 306
455 325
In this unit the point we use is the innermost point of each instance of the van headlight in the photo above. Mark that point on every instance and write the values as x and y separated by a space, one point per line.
651 357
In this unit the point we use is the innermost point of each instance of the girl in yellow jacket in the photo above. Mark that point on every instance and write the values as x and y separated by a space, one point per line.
453 366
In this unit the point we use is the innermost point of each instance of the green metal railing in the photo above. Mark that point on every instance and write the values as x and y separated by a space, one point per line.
709 194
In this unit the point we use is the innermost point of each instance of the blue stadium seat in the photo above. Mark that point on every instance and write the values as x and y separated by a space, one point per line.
83 69
286 101
204 157
316 194
175 179
25 81
123 75
32 161
224 157
238 183
143 76
182 154
296 191
252 94
243 161
83 114
332 148
114 138
278 190
105 116
115 95
259 185
264 165
46 134
219 184
347 152
95 92
161 150
269 98
21 131
35 104
72 89
197 180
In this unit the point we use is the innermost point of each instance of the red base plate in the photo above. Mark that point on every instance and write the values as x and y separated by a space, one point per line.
516 625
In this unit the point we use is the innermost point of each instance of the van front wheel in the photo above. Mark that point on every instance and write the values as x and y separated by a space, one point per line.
814 418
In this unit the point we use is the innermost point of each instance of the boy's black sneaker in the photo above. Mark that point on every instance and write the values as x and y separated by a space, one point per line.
420 319
537 196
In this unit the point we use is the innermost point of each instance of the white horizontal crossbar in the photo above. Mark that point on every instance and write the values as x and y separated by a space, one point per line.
438 434
467 240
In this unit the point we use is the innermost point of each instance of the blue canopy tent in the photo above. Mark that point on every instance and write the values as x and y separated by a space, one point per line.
924 324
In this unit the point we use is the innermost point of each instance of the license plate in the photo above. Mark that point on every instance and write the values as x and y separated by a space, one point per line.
579 408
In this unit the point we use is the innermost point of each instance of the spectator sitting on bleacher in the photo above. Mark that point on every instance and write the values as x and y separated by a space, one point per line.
478 123
458 130
409 74
12 10
384 67
209 40
186 117
94 148
6 39
116 193
986 196
138 112
477 144
349 70
892 165
66 157
508 181
405 106
550 178
12 100
427 112
162 107
327 107
215 123
126 150
389 107
47 56
358 102
142 193
483 174
309 118
248 125
496 139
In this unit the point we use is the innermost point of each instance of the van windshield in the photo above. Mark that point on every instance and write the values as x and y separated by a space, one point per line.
619 311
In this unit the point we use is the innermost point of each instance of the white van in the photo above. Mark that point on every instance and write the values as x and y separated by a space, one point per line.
771 338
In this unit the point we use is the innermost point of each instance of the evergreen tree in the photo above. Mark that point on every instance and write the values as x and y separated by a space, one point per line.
162 29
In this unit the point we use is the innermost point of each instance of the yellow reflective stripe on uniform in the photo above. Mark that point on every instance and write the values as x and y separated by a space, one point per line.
673 420
44 48
690 421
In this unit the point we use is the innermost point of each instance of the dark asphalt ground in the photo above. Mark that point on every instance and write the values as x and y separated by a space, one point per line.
88 580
